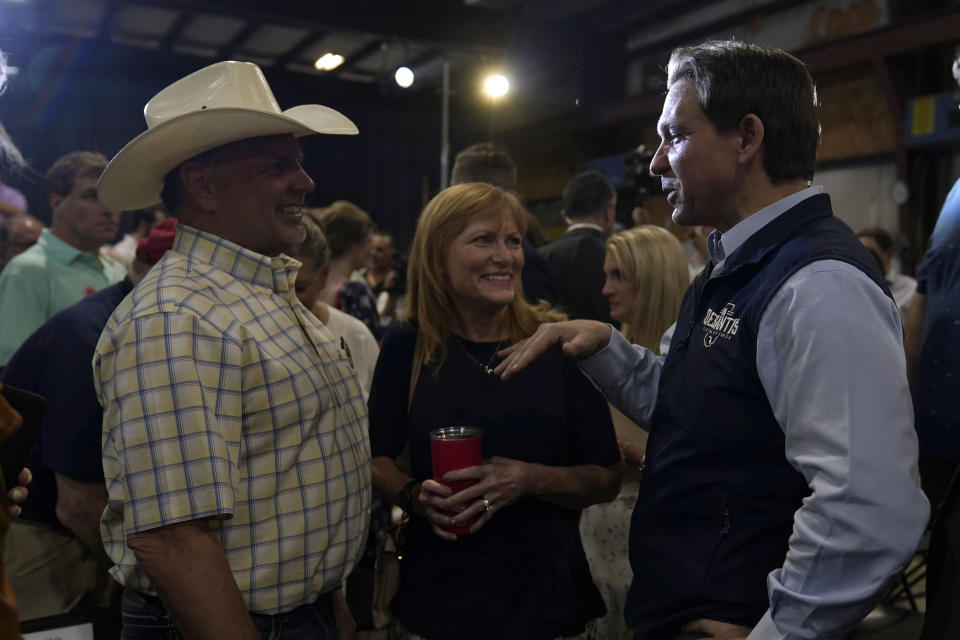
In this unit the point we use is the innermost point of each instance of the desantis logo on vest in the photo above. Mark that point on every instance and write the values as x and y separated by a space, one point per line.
719 325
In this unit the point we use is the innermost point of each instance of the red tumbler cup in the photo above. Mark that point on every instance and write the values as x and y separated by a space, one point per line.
454 448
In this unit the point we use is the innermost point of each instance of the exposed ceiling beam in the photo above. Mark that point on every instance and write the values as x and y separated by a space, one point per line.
179 24
360 54
622 15
424 58
562 10
109 13
939 28
429 21
708 28
298 48
230 48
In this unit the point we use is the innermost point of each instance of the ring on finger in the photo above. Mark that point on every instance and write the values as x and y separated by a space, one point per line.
486 504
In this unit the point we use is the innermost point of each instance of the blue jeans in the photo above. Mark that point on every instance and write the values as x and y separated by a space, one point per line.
145 618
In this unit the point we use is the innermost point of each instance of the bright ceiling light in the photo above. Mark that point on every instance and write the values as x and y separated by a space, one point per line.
404 77
496 86
328 61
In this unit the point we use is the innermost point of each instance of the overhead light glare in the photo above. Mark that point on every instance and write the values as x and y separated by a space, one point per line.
496 85
328 61
404 77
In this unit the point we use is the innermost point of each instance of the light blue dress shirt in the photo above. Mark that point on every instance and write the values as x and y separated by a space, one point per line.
830 358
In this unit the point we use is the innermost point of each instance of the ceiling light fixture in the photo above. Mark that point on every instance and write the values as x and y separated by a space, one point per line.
496 85
404 77
328 61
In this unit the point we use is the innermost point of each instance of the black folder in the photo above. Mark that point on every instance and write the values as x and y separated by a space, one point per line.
13 450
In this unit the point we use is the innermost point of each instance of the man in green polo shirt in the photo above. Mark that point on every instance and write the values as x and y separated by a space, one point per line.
68 261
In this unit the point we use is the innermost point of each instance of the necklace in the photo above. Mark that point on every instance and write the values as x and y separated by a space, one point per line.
487 368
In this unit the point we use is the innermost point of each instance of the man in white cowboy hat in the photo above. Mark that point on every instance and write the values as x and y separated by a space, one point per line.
235 444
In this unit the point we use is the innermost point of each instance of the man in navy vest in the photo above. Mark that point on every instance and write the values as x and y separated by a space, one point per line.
780 493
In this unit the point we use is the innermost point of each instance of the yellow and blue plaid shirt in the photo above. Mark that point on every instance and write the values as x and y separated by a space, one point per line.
224 399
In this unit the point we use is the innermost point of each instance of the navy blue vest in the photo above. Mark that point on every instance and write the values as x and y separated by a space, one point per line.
716 503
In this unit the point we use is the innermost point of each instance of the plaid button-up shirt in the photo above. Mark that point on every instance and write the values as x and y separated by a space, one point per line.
224 399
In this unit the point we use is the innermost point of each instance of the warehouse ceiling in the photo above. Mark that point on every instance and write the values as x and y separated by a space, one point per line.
373 37
561 55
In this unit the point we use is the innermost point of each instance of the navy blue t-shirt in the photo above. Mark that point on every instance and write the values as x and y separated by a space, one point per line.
526 567
56 362
938 380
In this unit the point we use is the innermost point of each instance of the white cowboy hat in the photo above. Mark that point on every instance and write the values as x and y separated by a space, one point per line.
225 102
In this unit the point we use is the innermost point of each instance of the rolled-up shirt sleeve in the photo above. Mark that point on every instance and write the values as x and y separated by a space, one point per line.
627 374
830 357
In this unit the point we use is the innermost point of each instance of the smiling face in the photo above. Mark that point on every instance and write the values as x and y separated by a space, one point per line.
483 264
697 164
620 291
258 190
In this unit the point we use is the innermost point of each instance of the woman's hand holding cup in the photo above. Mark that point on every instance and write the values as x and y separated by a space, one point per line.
430 502
499 482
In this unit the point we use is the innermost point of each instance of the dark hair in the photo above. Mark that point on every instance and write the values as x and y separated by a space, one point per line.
345 225
76 164
733 79
486 162
879 235
587 194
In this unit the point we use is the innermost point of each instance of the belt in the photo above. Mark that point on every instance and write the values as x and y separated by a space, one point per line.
138 599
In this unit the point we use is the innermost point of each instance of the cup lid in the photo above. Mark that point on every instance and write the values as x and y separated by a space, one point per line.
455 433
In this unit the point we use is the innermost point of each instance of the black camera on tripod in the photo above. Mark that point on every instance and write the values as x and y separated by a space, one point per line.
638 182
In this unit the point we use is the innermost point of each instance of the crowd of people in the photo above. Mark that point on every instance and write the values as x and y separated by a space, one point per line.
676 444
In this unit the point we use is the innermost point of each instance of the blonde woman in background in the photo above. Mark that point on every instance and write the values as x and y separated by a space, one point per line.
646 277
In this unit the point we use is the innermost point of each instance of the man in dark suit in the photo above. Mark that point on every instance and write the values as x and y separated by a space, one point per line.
589 205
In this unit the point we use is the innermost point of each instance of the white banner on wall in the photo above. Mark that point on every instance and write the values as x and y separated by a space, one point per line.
862 196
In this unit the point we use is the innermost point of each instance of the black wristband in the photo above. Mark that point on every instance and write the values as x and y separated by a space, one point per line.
405 496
